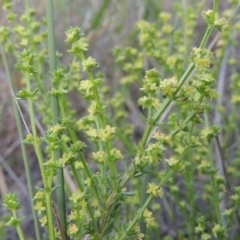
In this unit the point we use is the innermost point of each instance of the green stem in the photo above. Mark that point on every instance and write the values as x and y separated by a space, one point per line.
61 205
90 176
74 139
37 147
19 229
149 199
23 147
142 209
191 216
50 223
166 103
82 189
101 119
216 201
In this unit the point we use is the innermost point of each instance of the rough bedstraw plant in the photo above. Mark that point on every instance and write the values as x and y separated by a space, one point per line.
116 199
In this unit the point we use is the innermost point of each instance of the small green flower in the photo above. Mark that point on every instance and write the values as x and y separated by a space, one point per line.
229 212
29 139
79 47
219 231
172 162
56 130
169 87
208 16
11 201
151 82
43 221
150 221
67 158
99 157
86 86
205 236
138 233
26 94
162 138
199 228
14 222
221 24
20 31
40 206
89 64
4 34
78 146
7 5
93 134
72 230
202 58
164 17
236 199
107 134
155 190
147 102
77 197
72 216
116 154
205 167
58 75
26 62
39 195
73 35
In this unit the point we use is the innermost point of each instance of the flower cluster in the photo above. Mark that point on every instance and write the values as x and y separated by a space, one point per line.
26 62
153 154
105 135
88 88
40 207
151 84
213 20
4 34
202 58
169 87
11 202
147 215
78 216
154 190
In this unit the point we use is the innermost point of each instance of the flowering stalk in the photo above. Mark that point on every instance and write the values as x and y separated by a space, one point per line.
25 64
166 103
61 203
23 148
12 203
151 196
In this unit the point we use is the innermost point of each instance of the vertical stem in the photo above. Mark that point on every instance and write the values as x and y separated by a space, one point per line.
213 181
23 148
37 147
19 229
61 206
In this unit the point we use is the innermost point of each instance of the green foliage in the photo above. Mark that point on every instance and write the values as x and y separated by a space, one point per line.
124 186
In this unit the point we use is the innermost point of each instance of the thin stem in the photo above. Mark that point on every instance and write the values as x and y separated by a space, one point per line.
50 224
37 147
101 121
74 139
165 104
82 189
213 180
19 229
61 205
149 199
142 209
23 147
